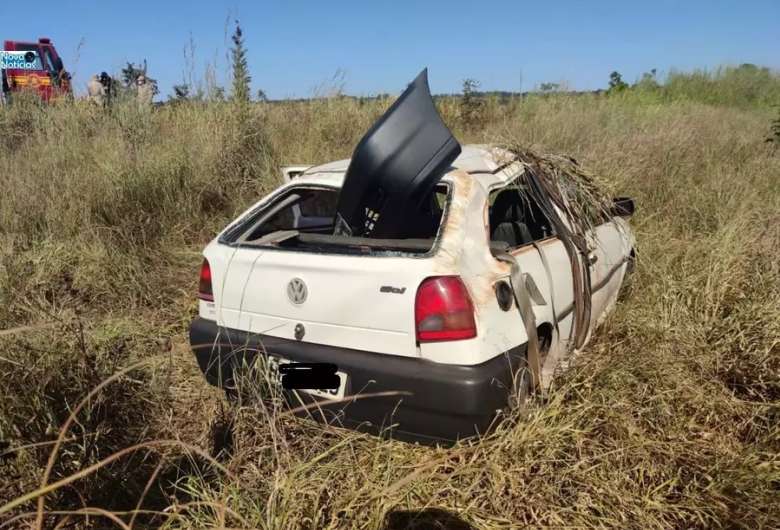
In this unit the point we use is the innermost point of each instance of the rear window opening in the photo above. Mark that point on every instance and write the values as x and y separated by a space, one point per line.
302 218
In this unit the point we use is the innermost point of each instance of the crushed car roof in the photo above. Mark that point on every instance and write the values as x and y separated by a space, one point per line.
482 161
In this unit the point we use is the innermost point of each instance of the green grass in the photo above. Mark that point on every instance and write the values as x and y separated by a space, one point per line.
670 418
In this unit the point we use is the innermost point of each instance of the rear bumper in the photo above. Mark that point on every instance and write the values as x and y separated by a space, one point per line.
447 402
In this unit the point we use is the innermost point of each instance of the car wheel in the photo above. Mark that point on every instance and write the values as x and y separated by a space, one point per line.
524 386
631 263
628 279
522 389
231 393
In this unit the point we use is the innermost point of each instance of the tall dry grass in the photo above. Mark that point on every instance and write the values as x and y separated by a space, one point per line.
669 420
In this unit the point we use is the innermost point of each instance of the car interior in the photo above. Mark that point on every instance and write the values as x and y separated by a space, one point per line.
312 211
516 219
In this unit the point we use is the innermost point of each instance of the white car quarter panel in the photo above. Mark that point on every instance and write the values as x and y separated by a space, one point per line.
344 304
611 248
345 307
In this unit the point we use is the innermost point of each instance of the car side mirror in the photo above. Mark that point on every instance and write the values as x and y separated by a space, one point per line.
622 207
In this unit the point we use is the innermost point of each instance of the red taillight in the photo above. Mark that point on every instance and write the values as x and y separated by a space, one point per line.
443 310
204 287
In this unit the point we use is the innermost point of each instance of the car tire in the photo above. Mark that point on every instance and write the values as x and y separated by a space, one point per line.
626 287
631 263
231 394
521 392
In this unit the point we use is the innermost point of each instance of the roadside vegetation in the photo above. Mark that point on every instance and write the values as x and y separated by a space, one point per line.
670 419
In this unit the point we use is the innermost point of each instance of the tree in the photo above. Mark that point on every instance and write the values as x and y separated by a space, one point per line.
180 93
241 78
549 87
132 72
470 86
261 95
470 104
616 83
648 81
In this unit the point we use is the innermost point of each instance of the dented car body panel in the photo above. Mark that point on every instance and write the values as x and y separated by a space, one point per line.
366 302
443 281
348 307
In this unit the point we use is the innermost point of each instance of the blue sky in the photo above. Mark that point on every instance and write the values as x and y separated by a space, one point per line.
296 46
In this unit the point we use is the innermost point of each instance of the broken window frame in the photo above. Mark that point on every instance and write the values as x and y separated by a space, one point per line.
245 225
235 235
514 183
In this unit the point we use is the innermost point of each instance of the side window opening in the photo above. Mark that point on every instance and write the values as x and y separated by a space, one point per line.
305 210
51 64
440 193
515 218
431 215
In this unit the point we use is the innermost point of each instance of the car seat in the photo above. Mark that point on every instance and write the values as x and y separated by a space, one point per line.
506 220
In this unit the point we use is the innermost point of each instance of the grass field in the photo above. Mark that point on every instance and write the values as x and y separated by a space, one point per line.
671 419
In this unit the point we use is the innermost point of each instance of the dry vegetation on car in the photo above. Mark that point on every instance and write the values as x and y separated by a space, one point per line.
670 419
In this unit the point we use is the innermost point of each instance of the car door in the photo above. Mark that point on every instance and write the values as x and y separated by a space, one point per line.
609 250
516 220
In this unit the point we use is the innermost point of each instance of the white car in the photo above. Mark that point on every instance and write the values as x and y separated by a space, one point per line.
441 309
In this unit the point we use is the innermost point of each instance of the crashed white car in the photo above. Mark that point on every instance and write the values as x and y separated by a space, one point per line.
436 278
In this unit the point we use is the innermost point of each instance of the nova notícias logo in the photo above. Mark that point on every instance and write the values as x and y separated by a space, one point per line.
23 60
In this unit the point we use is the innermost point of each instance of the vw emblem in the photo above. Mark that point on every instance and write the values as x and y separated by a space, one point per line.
297 291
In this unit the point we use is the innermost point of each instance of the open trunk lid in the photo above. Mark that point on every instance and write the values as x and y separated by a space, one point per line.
395 166
293 281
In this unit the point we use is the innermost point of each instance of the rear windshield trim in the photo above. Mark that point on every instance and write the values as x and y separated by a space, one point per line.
348 245
390 244
231 233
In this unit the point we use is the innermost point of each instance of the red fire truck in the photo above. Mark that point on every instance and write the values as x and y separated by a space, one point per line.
46 76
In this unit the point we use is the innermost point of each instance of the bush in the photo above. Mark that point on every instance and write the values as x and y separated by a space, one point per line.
745 85
43 376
